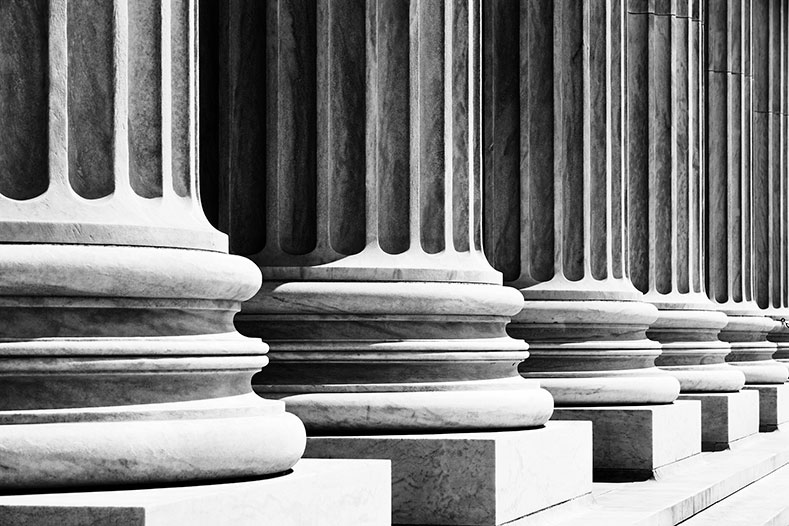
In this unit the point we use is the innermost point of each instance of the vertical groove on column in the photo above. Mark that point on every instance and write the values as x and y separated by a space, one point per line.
91 97
783 256
682 223
639 110
475 129
341 123
292 165
388 128
24 58
761 173
427 123
599 135
180 96
460 151
539 238
617 150
503 67
697 137
234 87
571 144
145 97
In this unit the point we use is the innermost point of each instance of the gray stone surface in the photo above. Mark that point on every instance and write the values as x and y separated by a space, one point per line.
685 488
326 492
632 442
486 478
773 405
726 417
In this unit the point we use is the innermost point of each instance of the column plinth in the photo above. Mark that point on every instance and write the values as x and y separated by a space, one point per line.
666 193
120 363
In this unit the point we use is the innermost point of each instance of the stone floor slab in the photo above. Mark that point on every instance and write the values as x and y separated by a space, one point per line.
683 489
726 417
330 492
631 442
484 478
773 405
763 503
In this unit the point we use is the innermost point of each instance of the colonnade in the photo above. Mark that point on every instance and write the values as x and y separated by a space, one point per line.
503 245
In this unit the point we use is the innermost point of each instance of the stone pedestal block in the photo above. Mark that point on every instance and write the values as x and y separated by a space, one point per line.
327 492
486 478
773 405
631 442
726 417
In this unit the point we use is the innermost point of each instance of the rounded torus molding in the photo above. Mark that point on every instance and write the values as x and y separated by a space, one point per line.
692 353
780 335
394 356
121 365
751 352
593 350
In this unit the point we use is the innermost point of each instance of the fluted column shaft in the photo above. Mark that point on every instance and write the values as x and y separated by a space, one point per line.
736 191
120 363
666 192
770 167
555 200
360 201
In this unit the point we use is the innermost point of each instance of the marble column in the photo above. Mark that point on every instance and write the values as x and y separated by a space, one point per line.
734 199
665 213
120 362
348 169
555 188
770 168
768 197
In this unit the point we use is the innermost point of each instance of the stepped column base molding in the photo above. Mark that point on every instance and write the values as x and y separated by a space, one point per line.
120 363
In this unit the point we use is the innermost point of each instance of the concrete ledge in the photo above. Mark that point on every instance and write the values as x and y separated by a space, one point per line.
773 405
631 442
335 492
484 478
726 417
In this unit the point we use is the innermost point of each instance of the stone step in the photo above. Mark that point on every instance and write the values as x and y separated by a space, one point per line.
763 503
679 491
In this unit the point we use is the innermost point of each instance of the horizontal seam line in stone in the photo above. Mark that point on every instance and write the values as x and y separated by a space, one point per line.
670 15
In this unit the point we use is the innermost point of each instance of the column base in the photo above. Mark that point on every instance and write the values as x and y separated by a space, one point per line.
337 492
631 442
726 417
483 478
773 405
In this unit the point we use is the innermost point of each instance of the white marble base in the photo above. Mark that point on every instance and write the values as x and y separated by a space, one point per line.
773 405
483 478
631 442
726 417
326 492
